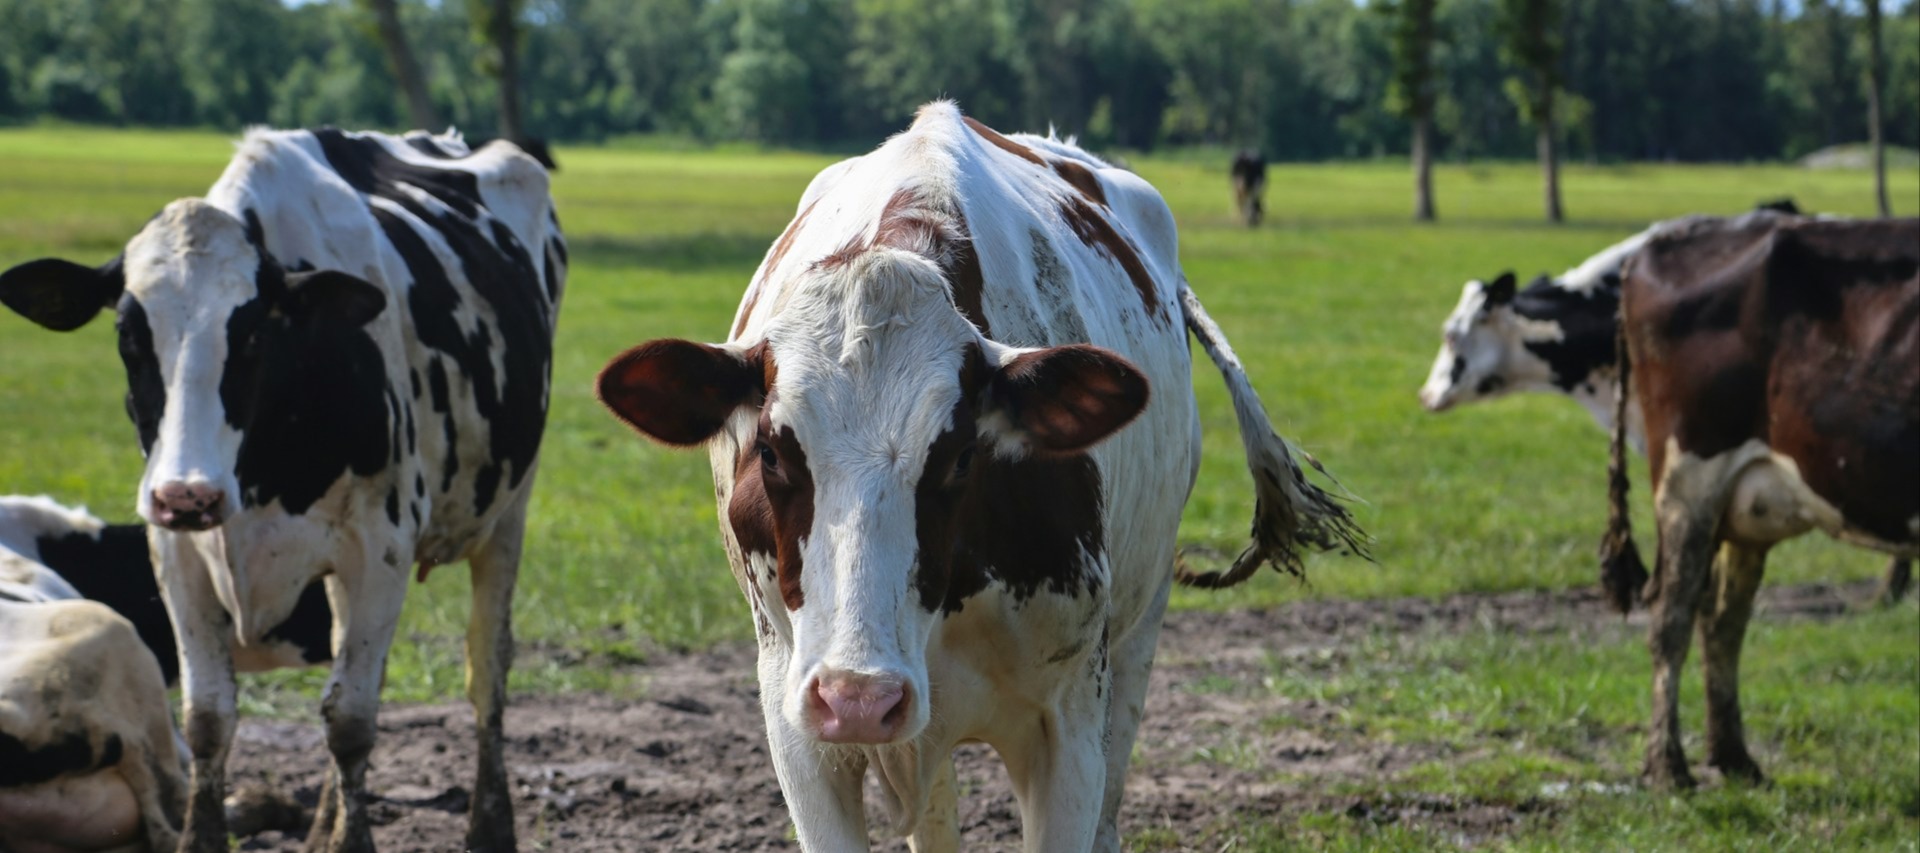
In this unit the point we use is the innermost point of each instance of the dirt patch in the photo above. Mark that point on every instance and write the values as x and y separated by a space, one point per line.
687 767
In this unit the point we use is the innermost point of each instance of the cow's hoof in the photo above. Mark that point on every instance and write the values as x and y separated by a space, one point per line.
490 836
1666 770
1739 768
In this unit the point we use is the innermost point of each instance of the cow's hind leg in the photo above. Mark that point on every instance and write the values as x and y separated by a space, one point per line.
1686 554
1723 629
1899 580
350 706
495 568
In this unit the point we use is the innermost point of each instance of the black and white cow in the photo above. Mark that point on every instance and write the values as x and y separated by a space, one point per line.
951 435
1249 177
337 363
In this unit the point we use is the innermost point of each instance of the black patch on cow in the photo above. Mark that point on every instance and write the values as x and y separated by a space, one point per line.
442 403
22 765
256 234
146 391
308 395
309 627
1459 369
111 752
1587 320
366 165
426 145
393 504
419 485
116 570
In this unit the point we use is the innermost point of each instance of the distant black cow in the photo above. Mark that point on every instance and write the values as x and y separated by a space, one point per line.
1250 185
338 364
1776 361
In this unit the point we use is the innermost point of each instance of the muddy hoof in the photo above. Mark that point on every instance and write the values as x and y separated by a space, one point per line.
253 809
1667 772
1739 768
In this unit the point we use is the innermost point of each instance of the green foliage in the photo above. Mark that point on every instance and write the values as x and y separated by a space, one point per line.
1302 79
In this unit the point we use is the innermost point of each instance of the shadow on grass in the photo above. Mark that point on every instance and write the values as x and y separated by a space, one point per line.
673 253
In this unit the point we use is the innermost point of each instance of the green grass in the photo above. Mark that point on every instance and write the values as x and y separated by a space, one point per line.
1334 306
1550 729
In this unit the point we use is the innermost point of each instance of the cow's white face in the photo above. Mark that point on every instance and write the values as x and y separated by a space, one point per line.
866 409
1480 342
221 345
187 274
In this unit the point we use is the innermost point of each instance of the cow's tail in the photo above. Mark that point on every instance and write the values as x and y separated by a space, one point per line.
1622 574
1290 513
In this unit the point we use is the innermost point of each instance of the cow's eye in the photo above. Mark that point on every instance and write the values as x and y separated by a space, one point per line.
768 459
963 462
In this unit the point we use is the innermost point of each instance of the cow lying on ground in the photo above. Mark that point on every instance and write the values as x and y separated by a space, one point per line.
1249 176
929 500
1557 336
70 588
1777 364
337 364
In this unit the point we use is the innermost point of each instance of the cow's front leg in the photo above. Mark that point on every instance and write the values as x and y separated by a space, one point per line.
1723 630
822 787
205 632
495 568
939 828
1686 555
1059 771
375 590
1131 661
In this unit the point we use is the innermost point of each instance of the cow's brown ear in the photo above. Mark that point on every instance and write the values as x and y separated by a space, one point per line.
61 295
1064 399
680 392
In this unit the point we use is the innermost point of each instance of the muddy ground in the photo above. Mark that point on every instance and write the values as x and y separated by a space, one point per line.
686 768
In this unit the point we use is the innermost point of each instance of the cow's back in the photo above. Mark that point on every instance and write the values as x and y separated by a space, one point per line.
1801 334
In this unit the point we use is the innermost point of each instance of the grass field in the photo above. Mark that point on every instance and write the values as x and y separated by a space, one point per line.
1334 305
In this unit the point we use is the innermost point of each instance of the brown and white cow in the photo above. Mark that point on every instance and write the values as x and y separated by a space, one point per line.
926 491
1777 366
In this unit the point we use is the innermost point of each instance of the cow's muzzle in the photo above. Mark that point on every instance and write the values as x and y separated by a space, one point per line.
848 707
186 506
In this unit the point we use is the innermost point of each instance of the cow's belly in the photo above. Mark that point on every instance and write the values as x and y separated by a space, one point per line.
93 812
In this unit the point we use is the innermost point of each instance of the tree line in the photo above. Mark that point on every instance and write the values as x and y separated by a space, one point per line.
1300 79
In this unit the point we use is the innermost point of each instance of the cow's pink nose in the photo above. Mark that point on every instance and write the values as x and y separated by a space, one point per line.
188 506
853 708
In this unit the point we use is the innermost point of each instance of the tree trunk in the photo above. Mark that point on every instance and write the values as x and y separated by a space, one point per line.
1549 158
1876 75
1422 170
503 31
420 111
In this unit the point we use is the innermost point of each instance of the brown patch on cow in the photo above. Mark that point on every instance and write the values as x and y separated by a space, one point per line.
1082 179
1804 335
774 257
772 509
1029 525
934 229
1003 143
1098 234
